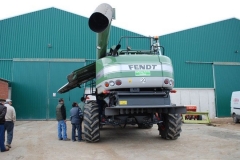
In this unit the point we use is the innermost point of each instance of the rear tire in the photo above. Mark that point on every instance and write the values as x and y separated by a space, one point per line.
235 120
170 128
91 123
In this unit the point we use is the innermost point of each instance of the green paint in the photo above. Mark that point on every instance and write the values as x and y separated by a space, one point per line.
103 41
142 73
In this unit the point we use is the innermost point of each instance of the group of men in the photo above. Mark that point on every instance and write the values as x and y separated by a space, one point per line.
76 118
7 119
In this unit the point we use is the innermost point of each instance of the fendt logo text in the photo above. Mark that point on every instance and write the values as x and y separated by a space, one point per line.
140 67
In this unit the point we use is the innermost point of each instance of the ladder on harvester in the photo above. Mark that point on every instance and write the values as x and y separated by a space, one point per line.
192 116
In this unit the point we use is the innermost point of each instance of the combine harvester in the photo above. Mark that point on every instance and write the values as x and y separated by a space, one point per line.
132 86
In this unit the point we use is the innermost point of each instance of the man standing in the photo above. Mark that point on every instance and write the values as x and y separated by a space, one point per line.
76 117
61 118
82 104
3 111
9 123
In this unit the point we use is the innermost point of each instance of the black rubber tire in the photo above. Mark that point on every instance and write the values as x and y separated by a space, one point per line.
235 120
170 128
145 126
91 123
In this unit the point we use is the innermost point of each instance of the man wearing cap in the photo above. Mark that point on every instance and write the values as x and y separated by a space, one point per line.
9 123
61 118
3 111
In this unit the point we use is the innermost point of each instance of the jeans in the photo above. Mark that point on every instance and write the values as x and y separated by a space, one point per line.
9 125
2 146
62 130
79 130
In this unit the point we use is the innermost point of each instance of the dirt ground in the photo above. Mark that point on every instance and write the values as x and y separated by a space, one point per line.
225 123
37 140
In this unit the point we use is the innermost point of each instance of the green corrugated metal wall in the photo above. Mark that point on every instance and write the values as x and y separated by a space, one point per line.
216 42
35 83
5 68
28 36
29 89
227 81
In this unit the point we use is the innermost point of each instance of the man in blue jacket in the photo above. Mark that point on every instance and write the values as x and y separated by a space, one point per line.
76 117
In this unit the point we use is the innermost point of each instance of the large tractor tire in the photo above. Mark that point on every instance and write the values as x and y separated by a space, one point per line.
170 128
91 123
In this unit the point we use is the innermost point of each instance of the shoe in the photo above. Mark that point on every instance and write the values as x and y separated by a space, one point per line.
8 145
60 139
67 139
74 140
6 149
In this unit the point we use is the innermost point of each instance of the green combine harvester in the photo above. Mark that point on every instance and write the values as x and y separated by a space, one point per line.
131 86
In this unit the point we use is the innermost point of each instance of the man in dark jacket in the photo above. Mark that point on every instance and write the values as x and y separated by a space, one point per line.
61 118
3 111
76 117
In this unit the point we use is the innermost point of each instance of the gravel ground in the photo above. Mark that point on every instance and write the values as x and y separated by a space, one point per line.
37 140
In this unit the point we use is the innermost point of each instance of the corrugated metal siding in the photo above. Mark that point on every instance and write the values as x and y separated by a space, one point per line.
6 69
28 36
29 89
34 86
227 81
209 43
51 33
188 75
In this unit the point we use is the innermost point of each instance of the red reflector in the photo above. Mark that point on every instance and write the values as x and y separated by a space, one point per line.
106 84
173 91
106 92
87 97
166 81
118 82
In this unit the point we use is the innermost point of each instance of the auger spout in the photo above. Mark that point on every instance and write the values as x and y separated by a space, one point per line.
100 22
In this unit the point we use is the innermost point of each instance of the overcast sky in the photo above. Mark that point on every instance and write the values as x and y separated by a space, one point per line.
147 17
